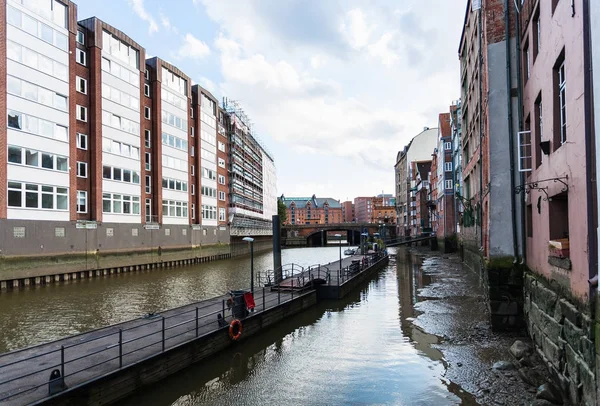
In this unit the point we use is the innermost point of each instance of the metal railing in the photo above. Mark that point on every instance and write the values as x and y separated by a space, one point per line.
25 374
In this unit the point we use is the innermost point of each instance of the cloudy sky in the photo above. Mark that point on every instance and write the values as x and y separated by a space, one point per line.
335 87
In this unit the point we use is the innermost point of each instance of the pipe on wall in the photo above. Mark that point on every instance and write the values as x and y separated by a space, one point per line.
590 155
520 104
480 57
511 134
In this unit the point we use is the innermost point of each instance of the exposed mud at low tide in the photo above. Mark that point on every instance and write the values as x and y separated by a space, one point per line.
450 305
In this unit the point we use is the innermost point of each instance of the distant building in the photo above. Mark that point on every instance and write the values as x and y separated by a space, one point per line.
418 150
422 172
363 209
456 130
444 185
312 210
348 212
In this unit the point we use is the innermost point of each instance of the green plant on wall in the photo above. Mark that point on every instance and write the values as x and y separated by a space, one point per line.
281 212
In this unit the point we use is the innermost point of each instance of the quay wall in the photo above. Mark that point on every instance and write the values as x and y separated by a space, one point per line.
112 387
562 330
41 252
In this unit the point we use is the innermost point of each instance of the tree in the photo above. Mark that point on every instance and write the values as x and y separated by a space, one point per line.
281 212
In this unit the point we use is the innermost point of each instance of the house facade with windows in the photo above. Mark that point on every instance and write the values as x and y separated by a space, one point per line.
312 210
444 183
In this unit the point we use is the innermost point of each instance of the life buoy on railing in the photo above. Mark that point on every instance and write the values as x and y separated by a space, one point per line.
235 329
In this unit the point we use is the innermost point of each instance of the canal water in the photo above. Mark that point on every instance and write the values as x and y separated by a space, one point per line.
361 350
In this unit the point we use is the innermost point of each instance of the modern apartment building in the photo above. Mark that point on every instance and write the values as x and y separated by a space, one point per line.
100 140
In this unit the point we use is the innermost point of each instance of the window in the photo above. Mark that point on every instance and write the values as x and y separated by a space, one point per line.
538 130
148 210
80 37
120 175
35 196
147 138
81 113
560 106
537 34
175 142
558 217
192 131
148 184
448 166
221 214
81 85
148 165
192 170
209 191
526 61
30 157
524 151
191 112
174 184
193 189
221 180
447 146
81 201
192 151
221 146
147 74
221 162
120 204
209 212
448 184
147 90
82 169
80 56
147 113
222 196
175 208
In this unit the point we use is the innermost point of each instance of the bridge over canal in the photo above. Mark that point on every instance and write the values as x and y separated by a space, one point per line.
314 235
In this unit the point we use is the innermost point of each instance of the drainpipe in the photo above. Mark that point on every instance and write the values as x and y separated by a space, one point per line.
511 134
590 156
480 57
520 109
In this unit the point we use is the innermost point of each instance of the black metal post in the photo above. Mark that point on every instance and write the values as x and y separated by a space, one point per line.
279 295
292 287
120 348
163 333
223 309
197 319
264 308
277 247
62 361
252 267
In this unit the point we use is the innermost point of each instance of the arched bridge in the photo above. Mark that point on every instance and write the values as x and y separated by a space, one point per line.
320 234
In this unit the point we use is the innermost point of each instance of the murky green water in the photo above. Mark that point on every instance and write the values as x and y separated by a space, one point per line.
362 350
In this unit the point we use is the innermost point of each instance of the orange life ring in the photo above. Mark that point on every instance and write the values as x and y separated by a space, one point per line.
235 329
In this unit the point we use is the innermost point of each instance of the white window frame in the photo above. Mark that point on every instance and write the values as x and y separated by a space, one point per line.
148 158
147 113
447 166
147 138
223 178
148 184
82 194
79 80
448 184
192 131
80 55
524 142
222 214
193 170
562 93
146 90
80 37
80 110
193 191
147 74
81 136
82 167
447 146
193 151
222 196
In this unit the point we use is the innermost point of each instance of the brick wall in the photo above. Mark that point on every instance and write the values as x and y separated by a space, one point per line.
78 98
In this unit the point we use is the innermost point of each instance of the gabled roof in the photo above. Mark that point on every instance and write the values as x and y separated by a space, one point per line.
314 201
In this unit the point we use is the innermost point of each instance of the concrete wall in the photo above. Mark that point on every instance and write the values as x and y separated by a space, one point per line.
564 337
48 247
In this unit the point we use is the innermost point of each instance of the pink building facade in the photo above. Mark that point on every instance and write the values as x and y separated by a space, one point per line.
553 86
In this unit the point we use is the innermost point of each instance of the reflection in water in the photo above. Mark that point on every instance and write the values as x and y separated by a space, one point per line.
361 350
44 313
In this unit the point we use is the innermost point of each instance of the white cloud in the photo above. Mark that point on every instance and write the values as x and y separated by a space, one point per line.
166 23
192 48
335 108
355 29
138 8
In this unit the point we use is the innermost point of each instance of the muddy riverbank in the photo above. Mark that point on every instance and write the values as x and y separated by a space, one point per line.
450 305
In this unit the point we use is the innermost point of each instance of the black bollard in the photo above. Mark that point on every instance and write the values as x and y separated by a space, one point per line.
56 383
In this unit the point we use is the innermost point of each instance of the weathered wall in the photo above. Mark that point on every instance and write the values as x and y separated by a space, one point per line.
563 336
